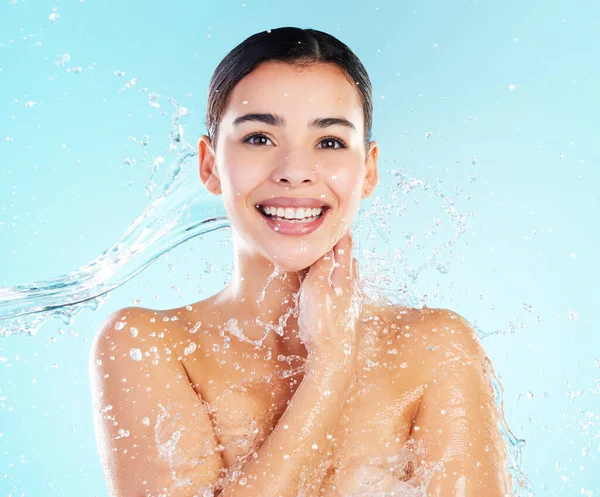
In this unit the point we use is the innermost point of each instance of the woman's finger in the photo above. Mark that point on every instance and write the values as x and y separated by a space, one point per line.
342 272
320 271
355 272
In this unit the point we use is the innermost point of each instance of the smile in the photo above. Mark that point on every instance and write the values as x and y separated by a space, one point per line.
293 221
290 214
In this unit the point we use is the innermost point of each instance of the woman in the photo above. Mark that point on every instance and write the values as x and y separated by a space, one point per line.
288 382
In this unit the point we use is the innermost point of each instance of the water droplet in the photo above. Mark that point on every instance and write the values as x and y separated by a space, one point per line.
176 133
136 354
190 348
146 421
529 395
153 100
134 331
63 59
123 433
119 325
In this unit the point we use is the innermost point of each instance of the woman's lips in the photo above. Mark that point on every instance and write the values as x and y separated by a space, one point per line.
286 228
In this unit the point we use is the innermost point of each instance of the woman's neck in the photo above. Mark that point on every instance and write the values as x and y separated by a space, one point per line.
260 297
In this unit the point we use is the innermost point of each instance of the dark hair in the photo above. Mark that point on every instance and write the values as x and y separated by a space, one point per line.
296 46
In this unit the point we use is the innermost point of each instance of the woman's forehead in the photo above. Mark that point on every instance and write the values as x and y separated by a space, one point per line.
317 90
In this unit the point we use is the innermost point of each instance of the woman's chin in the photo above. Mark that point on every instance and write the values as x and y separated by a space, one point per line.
299 262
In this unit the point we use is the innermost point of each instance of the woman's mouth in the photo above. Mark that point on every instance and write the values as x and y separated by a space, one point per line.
293 221
290 214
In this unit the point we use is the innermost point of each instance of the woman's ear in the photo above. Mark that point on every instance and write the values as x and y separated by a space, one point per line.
372 174
208 166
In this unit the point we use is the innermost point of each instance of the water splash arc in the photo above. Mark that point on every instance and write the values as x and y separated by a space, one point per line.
178 212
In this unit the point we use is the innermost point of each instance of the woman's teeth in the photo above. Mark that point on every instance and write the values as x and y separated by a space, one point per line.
302 215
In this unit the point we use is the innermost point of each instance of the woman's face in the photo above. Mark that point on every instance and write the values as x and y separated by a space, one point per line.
291 136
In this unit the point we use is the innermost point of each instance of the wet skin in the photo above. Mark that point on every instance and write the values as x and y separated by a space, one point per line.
376 420
421 386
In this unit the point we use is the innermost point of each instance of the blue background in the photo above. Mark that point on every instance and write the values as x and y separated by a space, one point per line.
521 163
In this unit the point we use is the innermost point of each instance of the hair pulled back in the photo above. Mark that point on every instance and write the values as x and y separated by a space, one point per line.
296 46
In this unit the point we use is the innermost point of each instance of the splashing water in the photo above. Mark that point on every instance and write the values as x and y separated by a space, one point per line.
179 210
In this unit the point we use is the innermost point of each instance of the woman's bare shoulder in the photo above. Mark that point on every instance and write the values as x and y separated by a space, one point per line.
138 386
127 321
397 317
426 333
168 322
442 328
437 328
458 408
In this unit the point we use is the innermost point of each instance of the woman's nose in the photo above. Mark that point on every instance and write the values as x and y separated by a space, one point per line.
295 170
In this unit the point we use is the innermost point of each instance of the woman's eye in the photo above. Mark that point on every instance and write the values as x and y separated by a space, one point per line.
330 142
261 140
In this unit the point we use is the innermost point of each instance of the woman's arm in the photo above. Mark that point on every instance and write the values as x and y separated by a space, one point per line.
296 454
294 458
458 421
155 436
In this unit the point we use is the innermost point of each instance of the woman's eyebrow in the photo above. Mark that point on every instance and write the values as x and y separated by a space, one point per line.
276 120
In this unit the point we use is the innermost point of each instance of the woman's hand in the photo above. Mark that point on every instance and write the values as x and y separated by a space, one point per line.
329 306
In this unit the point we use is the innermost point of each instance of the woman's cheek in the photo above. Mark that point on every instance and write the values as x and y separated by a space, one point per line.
242 178
347 181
